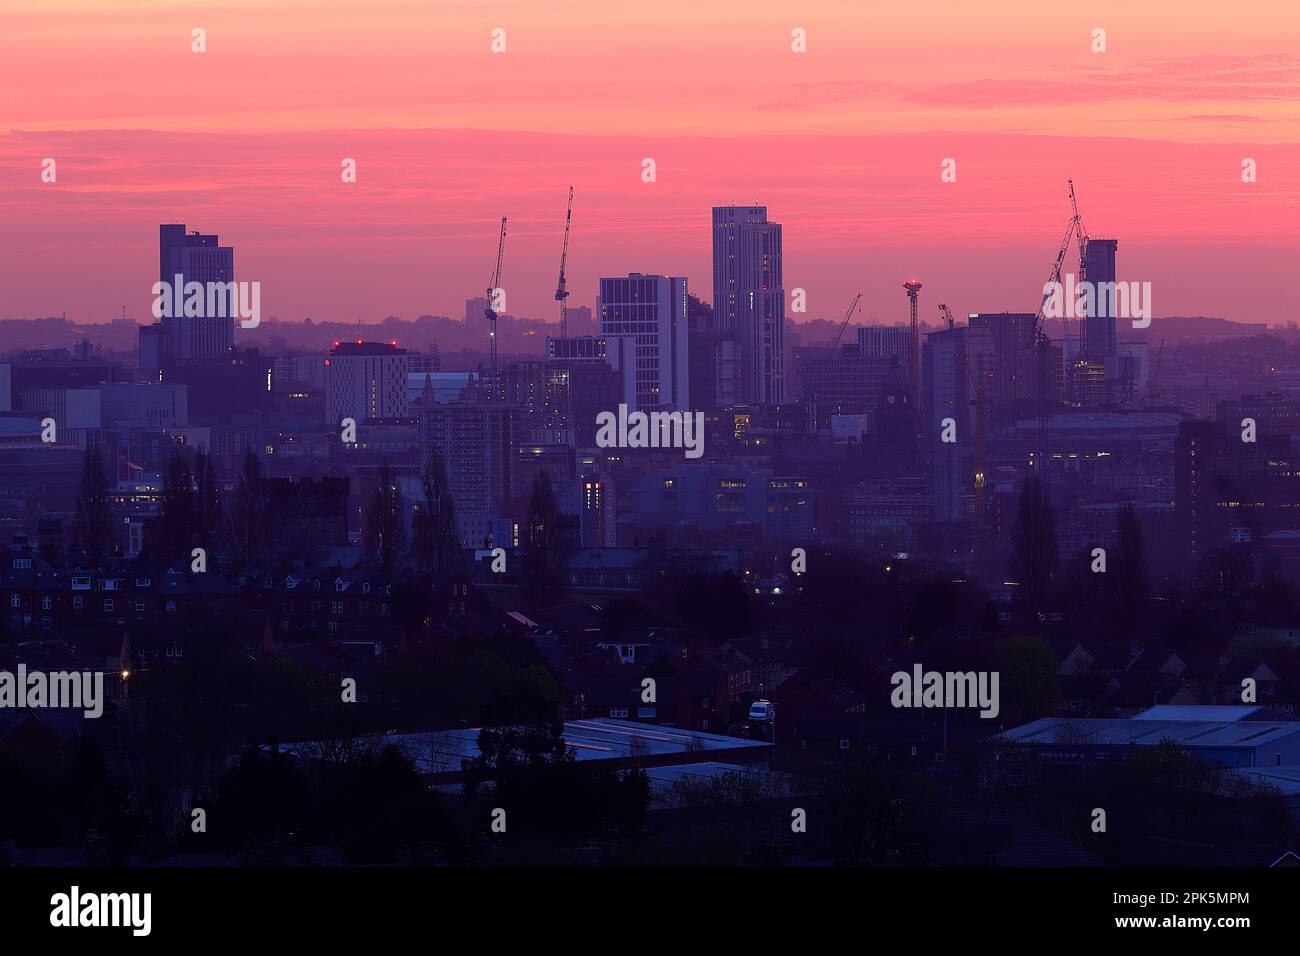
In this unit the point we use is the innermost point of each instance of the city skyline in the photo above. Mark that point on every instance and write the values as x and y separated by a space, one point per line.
670 436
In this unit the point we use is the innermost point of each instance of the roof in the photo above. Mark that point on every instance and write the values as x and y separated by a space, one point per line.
1285 779
1211 712
1097 732
441 751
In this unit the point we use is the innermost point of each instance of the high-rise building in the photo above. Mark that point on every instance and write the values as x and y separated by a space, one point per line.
886 342
479 445
713 361
643 323
1230 491
846 382
956 361
195 257
1014 382
1099 325
365 380
749 298
584 384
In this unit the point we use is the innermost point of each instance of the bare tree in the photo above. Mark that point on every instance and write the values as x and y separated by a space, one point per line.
92 528
384 534
248 515
1034 556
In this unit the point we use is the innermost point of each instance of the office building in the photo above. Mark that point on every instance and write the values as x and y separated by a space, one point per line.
365 380
183 258
643 323
1099 326
749 298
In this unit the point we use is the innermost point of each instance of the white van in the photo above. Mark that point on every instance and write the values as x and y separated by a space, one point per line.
762 710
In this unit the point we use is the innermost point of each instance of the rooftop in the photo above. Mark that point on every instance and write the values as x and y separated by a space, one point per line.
1096 732
440 752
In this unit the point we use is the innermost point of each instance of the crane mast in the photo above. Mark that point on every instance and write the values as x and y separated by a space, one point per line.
1074 229
490 312
561 288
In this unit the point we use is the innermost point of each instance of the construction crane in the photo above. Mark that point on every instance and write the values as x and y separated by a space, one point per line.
1081 233
835 341
1041 342
561 289
979 401
490 312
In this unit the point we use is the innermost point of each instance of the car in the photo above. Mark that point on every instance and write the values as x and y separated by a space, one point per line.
762 710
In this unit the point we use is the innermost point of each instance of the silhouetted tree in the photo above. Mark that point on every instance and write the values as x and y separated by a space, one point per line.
178 508
384 534
437 543
1033 557
209 514
248 515
92 528
1128 572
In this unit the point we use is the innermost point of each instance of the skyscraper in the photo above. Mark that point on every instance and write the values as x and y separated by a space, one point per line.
749 298
643 323
956 362
1014 382
195 257
1099 326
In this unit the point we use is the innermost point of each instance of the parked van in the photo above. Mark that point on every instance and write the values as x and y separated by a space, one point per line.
762 710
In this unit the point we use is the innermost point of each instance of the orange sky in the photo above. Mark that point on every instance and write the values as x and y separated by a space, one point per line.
842 142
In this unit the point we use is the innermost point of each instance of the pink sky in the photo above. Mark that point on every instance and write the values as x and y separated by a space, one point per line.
843 143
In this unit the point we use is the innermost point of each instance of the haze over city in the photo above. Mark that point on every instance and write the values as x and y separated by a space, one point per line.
718 445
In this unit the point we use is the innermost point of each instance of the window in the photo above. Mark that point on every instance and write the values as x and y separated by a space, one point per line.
47 602
618 712
15 600
22 564
143 582
76 603
170 606
645 711
139 607
844 743
365 588
108 604
336 607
